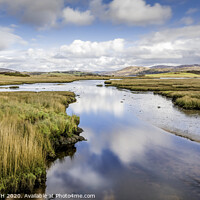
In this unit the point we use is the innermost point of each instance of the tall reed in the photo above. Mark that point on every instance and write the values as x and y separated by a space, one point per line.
31 125
184 92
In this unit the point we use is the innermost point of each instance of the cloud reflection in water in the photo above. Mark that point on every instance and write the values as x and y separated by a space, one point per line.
124 157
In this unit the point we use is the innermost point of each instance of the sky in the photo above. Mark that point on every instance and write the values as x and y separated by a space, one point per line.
98 35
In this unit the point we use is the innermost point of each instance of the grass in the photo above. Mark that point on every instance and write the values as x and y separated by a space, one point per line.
45 78
184 92
157 84
16 74
185 99
174 75
32 127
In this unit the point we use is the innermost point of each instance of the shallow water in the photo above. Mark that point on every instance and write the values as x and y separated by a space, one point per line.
153 109
126 157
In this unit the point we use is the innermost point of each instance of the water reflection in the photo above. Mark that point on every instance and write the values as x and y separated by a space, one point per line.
96 102
147 106
124 157
162 113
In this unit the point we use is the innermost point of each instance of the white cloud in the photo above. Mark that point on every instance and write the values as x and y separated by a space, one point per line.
187 20
45 13
50 13
40 13
192 11
135 12
175 46
185 32
99 9
179 45
98 103
88 49
76 17
14 26
8 38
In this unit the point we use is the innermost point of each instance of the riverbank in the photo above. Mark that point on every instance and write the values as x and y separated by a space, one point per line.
46 78
174 75
33 127
185 93
124 150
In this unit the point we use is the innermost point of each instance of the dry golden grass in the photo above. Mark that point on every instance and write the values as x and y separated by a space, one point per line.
157 84
31 126
174 74
184 92
45 78
184 99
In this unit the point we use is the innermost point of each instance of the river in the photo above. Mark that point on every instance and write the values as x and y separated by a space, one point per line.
127 154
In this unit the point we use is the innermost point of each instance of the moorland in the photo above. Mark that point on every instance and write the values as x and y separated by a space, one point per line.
185 93
34 125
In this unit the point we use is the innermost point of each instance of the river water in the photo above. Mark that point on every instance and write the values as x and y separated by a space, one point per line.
127 155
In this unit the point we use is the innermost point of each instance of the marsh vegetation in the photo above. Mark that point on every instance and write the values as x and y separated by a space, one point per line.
124 151
32 127
176 74
184 92
184 99
46 78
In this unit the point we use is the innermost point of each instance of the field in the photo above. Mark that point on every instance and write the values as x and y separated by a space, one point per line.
45 78
32 127
174 74
184 92
185 99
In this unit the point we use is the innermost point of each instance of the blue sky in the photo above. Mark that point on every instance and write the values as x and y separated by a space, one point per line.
98 35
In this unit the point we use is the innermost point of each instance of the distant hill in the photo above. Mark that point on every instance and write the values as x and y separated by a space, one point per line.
127 71
134 70
10 72
71 72
166 68
4 70
75 72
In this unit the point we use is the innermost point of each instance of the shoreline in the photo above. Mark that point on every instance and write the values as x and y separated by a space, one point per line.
40 122
65 142
13 80
184 95
190 137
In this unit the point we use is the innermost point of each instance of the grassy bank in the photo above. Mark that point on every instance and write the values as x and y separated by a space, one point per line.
184 92
174 75
157 84
185 99
45 78
32 127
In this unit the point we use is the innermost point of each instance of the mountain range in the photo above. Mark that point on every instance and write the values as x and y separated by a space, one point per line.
4 70
135 70
127 71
